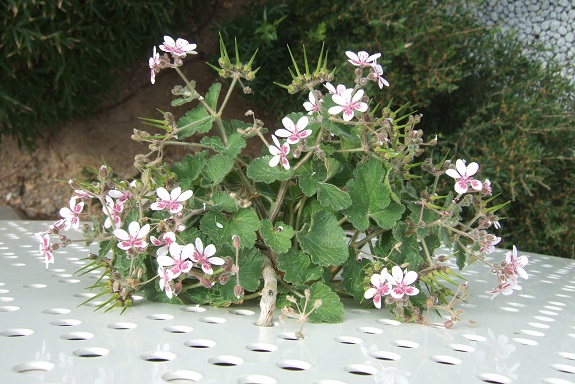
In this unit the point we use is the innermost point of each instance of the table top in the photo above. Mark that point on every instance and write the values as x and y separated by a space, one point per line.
46 337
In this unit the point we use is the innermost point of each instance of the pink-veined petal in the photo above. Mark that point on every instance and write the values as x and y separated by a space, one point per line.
370 293
472 169
335 110
410 277
396 275
461 168
274 161
199 246
121 234
216 260
453 173
186 195
210 250
165 261
163 193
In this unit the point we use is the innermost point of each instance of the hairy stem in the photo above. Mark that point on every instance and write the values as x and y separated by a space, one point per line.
269 295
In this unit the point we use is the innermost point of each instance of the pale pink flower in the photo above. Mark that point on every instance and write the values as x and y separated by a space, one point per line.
134 238
178 261
312 106
463 176
279 152
377 73
348 104
505 287
171 202
163 242
401 282
46 249
381 287
165 281
515 264
154 64
205 256
81 194
294 132
488 244
70 215
120 196
335 91
362 58
178 48
113 211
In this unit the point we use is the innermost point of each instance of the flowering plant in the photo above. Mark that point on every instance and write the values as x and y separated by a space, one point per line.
329 209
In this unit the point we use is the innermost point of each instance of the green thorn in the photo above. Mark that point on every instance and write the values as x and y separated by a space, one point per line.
249 64
294 62
305 61
318 68
238 62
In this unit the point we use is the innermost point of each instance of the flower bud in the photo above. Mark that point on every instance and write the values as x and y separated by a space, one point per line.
177 288
236 241
206 283
238 291
448 324
103 171
224 278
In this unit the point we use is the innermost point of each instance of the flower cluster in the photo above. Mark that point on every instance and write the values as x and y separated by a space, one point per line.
508 274
397 286
347 100
345 206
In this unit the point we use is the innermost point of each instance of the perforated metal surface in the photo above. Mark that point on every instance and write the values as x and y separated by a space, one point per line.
45 337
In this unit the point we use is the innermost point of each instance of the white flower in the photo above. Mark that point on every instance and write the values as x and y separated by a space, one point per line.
294 132
134 238
348 104
401 282
312 106
279 152
335 91
462 175
381 287
178 48
205 256
171 202
362 58
70 215
377 73
178 261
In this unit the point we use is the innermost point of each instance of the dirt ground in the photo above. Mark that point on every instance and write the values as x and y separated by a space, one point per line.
35 183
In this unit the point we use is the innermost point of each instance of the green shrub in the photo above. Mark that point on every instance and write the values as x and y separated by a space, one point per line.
59 55
474 90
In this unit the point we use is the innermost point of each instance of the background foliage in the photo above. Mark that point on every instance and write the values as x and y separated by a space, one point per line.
486 100
58 55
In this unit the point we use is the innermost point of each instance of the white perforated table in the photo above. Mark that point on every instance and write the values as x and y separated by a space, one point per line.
45 337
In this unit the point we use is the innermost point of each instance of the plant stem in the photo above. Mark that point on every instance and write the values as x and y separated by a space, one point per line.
269 295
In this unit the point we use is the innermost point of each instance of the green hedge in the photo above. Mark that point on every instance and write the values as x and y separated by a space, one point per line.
57 56
486 101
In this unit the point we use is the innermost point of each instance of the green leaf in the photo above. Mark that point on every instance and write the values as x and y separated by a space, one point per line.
460 255
251 263
244 223
223 202
259 170
195 120
331 196
387 218
298 267
279 240
323 239
353 275
235 144
105 247
370 193
181 101
213 94
189 168
331 310
216 168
